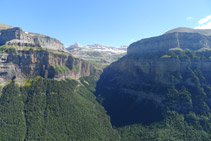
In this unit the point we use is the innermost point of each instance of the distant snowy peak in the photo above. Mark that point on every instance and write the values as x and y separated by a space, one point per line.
76 45
98 48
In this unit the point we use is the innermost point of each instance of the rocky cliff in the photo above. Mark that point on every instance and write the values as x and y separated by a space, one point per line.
16 36
180 40
171 71
26 64
25 55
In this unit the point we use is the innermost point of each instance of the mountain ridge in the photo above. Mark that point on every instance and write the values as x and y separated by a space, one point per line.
100 48
4 26
190 30
173 40
16 36
99 55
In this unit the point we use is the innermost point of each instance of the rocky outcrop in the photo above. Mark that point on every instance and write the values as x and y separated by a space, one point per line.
161 44
29 64
16 36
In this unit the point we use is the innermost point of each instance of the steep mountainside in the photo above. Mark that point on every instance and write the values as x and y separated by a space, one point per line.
24 64
39 100
26 55
162 84
46 109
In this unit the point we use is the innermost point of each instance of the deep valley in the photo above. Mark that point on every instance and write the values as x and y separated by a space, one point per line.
159 90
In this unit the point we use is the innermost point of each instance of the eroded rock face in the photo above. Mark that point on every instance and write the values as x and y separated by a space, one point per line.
29 64
16 36
163 43
48 58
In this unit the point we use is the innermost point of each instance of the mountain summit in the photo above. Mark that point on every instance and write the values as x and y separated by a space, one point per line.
190 30
17 37
179 38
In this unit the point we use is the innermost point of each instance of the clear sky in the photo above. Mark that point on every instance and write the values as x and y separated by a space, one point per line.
108 22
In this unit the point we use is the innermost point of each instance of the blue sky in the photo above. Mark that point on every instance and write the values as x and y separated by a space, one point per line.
109 22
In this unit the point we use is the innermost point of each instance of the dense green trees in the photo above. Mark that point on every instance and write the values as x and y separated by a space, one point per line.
45 109
12 120
52 110
173 128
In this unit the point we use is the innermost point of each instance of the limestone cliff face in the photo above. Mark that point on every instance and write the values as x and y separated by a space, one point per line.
141 85
16 36
163 43
135 90
133 72
29 64
25 55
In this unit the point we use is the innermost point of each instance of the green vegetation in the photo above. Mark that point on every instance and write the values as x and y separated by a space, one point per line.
190 55
26 49
146 100
45 109
76 68
61 68
12 120
94 54
187 113
16 48
173 128
99 65
5 48
52 110
32 49
59 53
90 81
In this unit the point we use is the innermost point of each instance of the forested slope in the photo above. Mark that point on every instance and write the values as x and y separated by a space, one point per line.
46 109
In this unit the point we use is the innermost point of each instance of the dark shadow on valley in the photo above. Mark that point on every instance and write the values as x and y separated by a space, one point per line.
125 109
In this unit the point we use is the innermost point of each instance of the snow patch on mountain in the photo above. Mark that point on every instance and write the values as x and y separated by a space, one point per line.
98 48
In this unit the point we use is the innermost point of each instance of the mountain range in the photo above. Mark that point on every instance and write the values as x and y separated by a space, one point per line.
99 55
160 89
